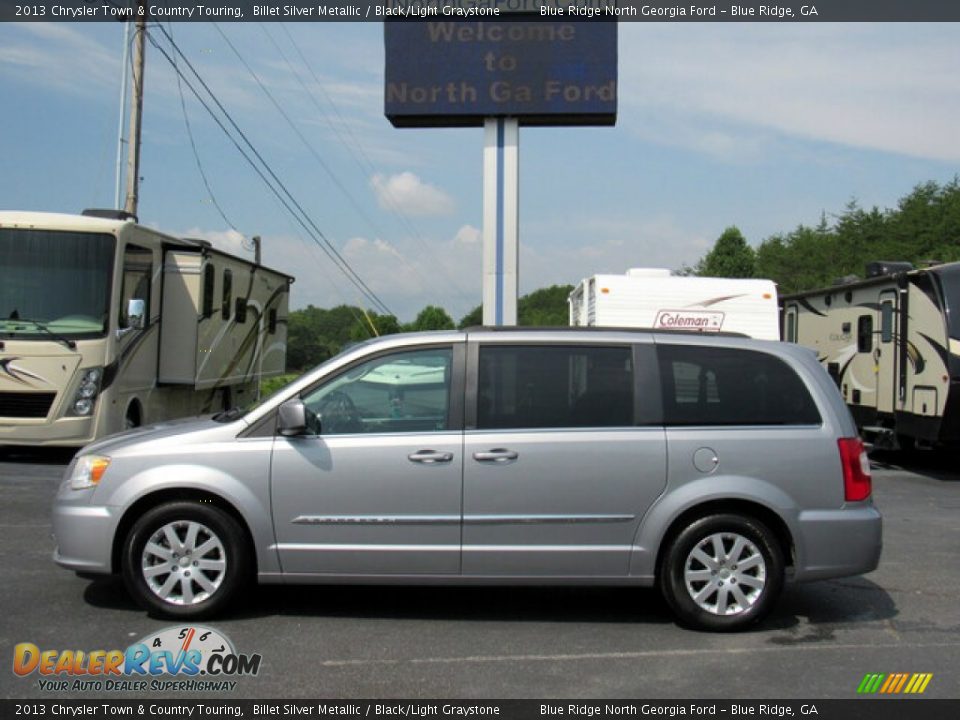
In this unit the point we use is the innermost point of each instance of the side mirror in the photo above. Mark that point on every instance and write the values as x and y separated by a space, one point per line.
136 310
292 418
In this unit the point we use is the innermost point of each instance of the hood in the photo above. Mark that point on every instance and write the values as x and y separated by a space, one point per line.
198 428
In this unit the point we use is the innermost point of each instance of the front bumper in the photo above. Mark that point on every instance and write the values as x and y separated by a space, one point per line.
838 543
65 432
83 535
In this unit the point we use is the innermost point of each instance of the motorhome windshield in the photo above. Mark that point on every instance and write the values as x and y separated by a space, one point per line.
950 287
54 283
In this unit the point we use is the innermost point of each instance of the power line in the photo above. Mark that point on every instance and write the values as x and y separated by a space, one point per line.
369 167
316 155
275 185
196 155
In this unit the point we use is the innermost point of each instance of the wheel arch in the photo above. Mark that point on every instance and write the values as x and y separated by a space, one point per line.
158 497
730 506
133 412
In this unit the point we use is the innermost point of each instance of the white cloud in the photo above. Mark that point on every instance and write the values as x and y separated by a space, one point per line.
54 54
615 244
406 278
468 235
867 86
408 193
229 241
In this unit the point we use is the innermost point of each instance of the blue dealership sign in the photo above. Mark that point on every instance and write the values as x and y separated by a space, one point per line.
450 74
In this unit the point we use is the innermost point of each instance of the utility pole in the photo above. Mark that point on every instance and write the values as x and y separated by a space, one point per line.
124 81
136 111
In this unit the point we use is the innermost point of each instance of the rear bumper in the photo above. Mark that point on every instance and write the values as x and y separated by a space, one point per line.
838 543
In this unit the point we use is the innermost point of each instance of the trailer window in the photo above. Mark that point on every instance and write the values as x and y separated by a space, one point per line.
137 272
241 310
886 321
949 278
208 280
865 333
227 294
791 327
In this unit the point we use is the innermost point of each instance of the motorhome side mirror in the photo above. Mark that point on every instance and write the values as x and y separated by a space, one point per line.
136 309
292 418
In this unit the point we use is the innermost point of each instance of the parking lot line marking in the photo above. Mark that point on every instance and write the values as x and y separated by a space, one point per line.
623 655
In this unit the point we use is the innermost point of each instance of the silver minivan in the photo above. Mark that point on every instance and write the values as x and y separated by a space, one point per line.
713 467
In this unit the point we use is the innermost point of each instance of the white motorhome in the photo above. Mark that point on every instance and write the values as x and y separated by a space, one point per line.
653 298
891 342
107 325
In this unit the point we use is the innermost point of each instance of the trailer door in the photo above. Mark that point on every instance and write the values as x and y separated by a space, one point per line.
885 351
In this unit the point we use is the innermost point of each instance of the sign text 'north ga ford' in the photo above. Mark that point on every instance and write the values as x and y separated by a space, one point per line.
457 73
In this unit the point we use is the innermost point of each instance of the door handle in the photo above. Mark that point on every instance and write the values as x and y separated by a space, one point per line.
496 455
430 457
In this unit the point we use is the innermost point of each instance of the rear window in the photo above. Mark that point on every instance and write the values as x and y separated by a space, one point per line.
728 386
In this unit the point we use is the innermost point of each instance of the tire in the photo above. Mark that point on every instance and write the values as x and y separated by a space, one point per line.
906 443
702 580
204 572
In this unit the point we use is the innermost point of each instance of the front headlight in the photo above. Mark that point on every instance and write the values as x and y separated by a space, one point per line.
88 470
86 396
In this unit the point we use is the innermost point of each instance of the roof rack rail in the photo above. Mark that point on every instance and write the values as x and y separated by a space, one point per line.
199 241
604 328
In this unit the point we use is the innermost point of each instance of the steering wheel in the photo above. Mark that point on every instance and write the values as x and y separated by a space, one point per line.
337 413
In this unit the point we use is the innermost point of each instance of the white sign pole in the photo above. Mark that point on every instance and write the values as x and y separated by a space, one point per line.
501 202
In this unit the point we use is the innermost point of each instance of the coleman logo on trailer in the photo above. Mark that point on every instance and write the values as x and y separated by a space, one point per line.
707 321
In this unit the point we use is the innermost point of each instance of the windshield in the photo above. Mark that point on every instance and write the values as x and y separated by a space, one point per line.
54 282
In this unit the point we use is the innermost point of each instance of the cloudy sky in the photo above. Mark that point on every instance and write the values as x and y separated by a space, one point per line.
762 126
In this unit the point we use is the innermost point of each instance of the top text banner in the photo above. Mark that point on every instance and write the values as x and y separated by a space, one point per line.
480 10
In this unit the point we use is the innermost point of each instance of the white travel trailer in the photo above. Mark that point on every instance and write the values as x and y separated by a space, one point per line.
653 298
891 342
107 325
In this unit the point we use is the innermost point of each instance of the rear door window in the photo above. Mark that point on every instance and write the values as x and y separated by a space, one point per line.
731 386
554 387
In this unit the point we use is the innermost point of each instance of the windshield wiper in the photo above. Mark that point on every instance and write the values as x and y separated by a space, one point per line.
40 325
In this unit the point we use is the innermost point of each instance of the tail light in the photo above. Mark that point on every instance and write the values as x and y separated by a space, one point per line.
857 483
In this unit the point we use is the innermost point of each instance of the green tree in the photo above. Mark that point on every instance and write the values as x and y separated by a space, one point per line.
730 257
315 334
546 307
924 227
432 318
384 324
474 318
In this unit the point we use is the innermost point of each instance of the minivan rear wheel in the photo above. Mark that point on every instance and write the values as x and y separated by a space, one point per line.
184 560
722 572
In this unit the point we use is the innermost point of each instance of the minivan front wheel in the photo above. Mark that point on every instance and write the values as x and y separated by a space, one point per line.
184 559
722 572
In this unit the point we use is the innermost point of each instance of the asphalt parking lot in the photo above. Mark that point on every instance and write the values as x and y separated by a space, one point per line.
343 642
